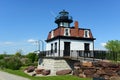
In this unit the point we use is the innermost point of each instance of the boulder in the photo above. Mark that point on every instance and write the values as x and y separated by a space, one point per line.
46 72
30 69
87 64
76 72
106 77
34 74
82 75
89 72
77 64
115 78
100 72
39 71
96 64
63 72
111 65
118 72
96 75
80 70
110 72
76 67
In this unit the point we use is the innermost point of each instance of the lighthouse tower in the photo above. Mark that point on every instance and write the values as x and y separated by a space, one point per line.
63 19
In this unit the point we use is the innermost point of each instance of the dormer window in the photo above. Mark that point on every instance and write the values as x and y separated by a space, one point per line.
52 34
67 32
86 34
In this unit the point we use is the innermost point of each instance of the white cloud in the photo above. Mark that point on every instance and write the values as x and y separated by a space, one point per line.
31 40
103 44
8 43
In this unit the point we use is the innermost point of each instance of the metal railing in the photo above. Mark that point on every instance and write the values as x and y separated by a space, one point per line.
96 54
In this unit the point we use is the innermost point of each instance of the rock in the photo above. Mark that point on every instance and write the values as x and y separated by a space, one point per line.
39 71
104 64
30 69
111 65
77 64
76 72
118 72
63 72
34 74
96 64
81 71
96 75
45 72
110 72
88 72
77 68
82 75
115 78
87 64
98 78
106 77
100 72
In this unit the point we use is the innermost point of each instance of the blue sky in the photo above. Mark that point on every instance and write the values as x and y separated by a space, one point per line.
23 21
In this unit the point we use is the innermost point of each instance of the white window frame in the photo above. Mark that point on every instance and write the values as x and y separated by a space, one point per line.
86 32
52 34
66 32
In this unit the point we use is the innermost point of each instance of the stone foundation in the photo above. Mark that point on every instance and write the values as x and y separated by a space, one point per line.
55 64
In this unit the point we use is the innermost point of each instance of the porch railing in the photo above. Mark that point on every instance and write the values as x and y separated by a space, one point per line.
96 54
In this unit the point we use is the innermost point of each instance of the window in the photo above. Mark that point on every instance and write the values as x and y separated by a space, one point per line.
64 24
51 48
86 33
61 24
52 34
66 32
56 47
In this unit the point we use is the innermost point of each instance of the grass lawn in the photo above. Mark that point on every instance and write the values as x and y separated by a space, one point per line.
65 77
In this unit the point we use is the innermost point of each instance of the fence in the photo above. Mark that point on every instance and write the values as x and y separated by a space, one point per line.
96 54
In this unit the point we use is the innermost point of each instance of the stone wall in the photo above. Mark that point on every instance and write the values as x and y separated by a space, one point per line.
99 69
56 64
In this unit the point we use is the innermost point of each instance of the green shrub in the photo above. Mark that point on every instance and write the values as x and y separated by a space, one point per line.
14 63
31 56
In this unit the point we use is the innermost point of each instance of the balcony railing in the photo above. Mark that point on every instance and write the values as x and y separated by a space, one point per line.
76 54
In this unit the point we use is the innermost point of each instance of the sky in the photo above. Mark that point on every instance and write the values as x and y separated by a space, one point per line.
24 21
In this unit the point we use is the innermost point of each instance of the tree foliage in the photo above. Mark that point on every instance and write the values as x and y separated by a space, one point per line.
31 56
114 47
18 53
13 63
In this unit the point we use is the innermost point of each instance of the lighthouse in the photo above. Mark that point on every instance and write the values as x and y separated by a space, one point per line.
66 43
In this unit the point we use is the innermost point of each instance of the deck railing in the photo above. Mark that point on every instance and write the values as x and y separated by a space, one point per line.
96 54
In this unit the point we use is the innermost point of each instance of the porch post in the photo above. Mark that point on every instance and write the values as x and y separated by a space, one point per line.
93 51
59 41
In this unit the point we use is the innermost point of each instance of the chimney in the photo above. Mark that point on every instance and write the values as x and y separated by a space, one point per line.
76 29
76 24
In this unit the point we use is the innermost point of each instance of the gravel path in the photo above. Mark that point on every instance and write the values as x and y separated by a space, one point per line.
8 76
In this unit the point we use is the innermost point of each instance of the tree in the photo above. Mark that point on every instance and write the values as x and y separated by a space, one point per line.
18 53
14 63
31 56
114 47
